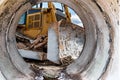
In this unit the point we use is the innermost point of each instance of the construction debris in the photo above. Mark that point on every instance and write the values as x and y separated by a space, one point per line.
50 73
32 54
39 42
63 44
21 45
65 61
47 71
68 42
36 45
71 40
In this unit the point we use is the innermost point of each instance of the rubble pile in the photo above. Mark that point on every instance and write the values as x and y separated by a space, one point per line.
39 44
70 39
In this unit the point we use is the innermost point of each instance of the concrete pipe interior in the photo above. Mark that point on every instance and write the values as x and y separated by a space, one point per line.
91 64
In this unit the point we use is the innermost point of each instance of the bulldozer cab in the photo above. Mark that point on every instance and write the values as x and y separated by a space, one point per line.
37 20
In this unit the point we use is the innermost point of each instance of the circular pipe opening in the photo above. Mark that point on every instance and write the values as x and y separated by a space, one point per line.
97 44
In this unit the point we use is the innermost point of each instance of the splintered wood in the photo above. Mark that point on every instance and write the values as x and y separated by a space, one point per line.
39 42
37 49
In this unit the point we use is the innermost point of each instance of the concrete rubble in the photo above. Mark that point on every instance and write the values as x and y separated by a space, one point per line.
68 42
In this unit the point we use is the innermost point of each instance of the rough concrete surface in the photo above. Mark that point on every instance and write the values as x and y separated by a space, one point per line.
100 58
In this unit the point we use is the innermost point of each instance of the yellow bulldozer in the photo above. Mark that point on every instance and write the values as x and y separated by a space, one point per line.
52 43
38 19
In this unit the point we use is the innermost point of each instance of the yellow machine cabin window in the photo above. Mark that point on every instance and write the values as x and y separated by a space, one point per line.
34 20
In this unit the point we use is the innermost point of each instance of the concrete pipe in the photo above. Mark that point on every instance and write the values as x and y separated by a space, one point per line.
100 57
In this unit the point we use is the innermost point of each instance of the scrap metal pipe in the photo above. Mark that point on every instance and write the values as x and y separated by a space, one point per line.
100 56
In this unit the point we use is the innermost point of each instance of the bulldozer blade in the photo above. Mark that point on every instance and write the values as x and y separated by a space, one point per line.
53 43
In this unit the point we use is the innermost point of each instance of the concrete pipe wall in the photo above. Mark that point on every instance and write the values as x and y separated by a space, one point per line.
100 58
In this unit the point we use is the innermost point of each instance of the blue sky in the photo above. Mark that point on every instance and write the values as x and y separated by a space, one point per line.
74 17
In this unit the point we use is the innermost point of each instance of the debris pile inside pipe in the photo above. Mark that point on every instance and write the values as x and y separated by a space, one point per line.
41 58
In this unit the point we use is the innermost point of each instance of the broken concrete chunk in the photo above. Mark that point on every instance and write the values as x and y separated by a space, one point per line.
32 54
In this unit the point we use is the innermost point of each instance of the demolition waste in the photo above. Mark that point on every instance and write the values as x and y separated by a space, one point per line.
71 41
